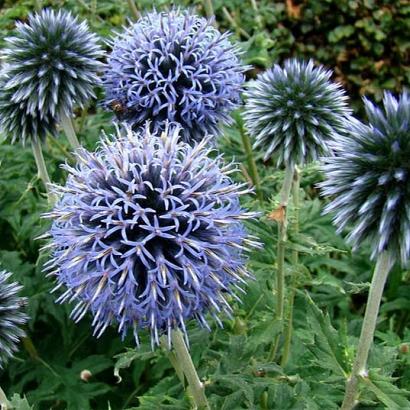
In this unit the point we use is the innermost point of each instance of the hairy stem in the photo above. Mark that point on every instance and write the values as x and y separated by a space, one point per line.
258 17
250 159
134 10
185 363
238 29
67 125
41 165
4 403
295 260
281 249
383 266
209 9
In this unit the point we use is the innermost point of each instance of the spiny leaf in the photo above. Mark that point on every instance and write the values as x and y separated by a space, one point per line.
385 391
328 340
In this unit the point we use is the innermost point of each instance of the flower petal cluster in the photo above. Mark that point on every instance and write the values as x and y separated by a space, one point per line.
174 67
12 317
369 179
16 122
51 65
294 112
148 233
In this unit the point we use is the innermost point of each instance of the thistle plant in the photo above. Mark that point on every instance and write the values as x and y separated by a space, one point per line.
21 125
147 233
12 317
369 181
52 65
294 113
174 67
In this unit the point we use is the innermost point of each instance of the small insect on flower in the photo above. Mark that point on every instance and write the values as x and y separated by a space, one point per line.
52 64
369 179
174 67
148 232
294 112
12 317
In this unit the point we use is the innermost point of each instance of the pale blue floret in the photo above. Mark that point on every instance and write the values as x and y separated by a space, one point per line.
369 178
148 233
174 67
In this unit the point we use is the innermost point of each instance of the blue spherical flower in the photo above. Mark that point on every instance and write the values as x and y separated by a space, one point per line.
15 119
51 66
12 318
294 112
369 179
174 67
148 233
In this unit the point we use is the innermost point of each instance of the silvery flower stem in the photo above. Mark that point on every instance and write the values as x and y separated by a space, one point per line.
4 403
295 260
41 165
383 266
209 9
250 159
280 256
67 125
258 18
134 11
185 362
282 228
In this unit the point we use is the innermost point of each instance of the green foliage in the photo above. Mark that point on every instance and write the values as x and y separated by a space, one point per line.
364 40
361 39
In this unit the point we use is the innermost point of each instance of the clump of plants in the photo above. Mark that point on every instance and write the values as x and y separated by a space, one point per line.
155 237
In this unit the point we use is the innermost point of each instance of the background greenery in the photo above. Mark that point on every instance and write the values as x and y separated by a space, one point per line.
366 43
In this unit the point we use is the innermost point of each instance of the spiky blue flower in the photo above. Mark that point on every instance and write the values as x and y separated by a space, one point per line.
174 67
294 112
17 122
369 179
148 233
12 317
52 65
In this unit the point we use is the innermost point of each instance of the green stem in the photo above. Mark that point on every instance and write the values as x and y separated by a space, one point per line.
295 260
239 30
209 9
30 348
383 266
134 11
250 159
67 125
38 5
41 165
4 403
173 359
258 17
185 363
280 257
282 230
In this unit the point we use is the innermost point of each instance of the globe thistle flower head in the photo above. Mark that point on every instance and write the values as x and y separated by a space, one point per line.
148 234
293 112
19 123
52 63
12 318
369 179
174 67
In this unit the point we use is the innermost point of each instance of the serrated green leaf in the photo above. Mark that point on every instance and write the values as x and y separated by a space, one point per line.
385 391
